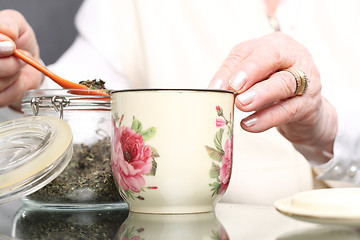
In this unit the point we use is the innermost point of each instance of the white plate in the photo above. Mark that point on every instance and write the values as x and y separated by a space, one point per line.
339 206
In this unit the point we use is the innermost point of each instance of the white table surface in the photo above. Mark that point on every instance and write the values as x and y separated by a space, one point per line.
240 222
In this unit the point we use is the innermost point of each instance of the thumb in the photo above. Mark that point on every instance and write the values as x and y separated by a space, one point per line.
14 27
9 32
12 23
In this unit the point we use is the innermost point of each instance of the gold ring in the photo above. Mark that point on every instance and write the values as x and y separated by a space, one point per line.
301 80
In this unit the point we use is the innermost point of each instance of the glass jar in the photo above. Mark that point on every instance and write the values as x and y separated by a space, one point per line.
87 181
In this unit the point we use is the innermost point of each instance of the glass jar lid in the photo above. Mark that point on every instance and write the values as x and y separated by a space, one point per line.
33 151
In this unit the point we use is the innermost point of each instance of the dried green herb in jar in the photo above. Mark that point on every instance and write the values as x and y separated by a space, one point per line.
87 178
94 224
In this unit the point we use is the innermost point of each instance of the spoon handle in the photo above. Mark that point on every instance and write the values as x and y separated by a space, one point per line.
60 81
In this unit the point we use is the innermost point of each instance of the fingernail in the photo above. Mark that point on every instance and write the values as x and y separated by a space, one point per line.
238 81
6 47
217 84
250 121
246 97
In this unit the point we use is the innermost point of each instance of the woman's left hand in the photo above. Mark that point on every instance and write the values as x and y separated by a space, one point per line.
255 70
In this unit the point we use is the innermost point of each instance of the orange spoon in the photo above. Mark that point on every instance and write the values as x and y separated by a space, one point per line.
60 81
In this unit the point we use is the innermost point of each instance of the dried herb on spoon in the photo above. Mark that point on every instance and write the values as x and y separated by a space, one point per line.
94 84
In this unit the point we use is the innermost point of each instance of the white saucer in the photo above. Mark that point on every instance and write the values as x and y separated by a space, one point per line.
322 233
339 206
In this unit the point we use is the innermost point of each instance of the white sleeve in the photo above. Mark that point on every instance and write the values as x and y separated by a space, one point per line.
345 164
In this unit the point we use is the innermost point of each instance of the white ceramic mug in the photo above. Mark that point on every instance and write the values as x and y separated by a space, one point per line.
172 149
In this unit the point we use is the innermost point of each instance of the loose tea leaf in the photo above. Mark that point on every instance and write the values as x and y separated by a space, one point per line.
94 84
87 178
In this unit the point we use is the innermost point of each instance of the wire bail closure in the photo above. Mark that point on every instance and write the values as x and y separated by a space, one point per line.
57 102
34 104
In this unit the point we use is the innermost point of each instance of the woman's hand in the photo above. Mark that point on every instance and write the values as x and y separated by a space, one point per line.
255 70
15 76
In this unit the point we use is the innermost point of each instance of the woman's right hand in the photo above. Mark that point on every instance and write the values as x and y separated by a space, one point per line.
16 77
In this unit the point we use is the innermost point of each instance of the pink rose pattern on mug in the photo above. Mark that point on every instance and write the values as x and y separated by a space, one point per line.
132 158
221 155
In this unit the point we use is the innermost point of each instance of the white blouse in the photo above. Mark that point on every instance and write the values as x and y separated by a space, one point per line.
181 43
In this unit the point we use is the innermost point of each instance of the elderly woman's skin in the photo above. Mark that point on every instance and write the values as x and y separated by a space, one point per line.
254 69
16 77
